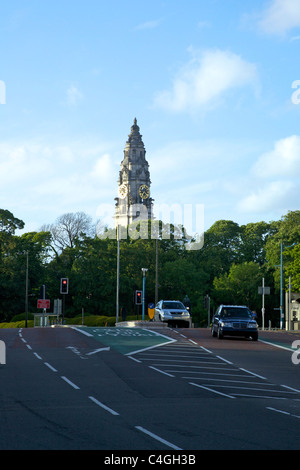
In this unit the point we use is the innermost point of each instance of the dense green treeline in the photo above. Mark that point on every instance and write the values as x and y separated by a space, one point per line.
229 267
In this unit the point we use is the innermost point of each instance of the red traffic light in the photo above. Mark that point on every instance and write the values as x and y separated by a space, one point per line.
138 297
64 285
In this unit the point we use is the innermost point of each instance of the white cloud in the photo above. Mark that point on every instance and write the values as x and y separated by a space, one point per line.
274 179
103 168
275 195
205 78
280 17
283 160
149 25
74 96
40 181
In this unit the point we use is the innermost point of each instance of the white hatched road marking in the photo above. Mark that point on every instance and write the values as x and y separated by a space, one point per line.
211 372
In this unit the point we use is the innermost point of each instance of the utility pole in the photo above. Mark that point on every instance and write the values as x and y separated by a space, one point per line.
263 304
26 292
118 275
156 271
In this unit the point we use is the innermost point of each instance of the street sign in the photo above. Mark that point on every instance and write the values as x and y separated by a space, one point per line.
264 290
151 310
43 303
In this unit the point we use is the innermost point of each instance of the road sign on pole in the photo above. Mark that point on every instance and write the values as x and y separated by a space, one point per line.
43 303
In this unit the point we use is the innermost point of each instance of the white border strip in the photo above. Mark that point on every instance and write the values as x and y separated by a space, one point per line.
81 331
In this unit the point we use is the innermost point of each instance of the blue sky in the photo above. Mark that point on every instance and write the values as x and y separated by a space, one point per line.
210 83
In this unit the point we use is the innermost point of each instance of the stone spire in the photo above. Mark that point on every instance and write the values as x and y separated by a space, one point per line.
134 181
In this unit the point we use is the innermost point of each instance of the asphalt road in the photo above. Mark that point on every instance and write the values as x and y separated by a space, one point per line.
63 389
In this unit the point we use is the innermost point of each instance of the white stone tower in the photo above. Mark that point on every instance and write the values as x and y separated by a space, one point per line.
134 202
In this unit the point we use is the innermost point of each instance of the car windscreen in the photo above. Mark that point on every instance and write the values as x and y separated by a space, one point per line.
230 312
173 305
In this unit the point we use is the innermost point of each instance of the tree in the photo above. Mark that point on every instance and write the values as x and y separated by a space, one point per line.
69 228
293 269
239 286
13 271
285 232
9 223
253 240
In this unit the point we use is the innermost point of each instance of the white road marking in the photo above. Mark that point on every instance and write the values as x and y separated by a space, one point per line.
50 367
81 331
97 350
225 360
211 390
252 373
70 383
160 439
161 371
110 410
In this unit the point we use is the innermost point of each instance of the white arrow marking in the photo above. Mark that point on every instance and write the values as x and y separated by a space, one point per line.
98 350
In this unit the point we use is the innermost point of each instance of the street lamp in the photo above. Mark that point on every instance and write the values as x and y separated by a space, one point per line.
118 275
144 270
281 281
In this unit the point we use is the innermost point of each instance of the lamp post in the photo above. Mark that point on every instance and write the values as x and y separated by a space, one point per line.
26 292
144 270
281 286
118 275
281 281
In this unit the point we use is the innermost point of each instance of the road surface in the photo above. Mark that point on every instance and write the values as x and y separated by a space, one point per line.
128 389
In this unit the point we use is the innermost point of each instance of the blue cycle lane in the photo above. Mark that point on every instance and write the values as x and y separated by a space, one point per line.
126 340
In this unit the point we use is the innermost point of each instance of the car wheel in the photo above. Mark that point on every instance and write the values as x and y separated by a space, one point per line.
220 335
213 333
254 337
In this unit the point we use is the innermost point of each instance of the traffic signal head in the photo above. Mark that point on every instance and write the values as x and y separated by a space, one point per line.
64 285
138 297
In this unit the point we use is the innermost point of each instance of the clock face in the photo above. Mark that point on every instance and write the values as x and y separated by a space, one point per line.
144 191
122 191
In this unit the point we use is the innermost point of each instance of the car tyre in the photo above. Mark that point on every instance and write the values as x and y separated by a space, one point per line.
220 335
254 337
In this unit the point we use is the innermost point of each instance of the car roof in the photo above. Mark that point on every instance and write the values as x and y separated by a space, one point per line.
237 306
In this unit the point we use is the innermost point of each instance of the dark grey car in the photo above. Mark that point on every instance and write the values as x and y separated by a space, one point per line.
234 320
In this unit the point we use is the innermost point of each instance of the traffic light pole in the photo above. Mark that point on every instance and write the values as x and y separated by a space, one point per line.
63 309
144 284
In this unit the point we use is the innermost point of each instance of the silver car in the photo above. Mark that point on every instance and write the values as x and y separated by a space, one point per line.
172 311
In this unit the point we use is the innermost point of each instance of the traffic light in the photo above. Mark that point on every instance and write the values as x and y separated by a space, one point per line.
64 285
138 297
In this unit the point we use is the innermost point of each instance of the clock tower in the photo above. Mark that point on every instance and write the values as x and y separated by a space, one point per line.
133 202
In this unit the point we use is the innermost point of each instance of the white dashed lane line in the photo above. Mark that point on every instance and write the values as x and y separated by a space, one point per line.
102 405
